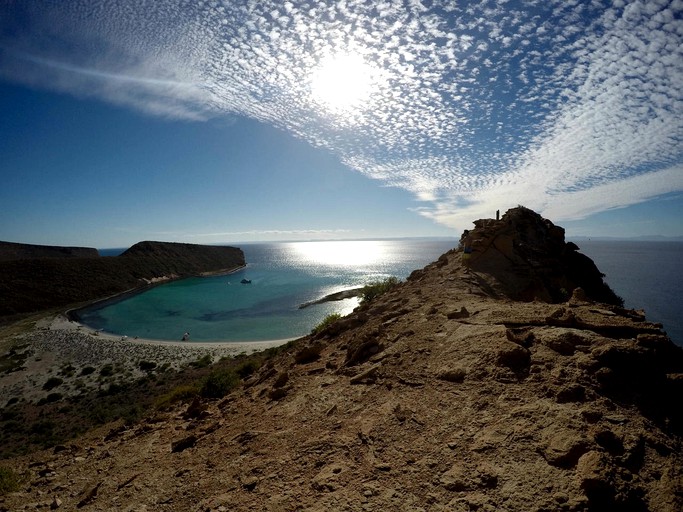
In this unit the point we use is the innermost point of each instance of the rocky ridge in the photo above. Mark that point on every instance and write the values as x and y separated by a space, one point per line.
444 394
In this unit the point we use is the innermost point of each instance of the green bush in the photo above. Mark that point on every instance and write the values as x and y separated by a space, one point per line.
203 361
371 291
219 383
247 368
87 370
52 397
178 394
67 370
329 319
107 370
9 481
147 366
52 383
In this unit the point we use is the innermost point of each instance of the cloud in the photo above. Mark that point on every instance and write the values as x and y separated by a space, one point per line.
543 103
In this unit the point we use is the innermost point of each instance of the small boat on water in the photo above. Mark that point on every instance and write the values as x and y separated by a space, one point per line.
245 281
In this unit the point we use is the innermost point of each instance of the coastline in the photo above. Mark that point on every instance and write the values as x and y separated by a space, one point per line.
56 343
72 313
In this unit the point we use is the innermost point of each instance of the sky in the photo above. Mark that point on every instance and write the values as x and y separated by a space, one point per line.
245 120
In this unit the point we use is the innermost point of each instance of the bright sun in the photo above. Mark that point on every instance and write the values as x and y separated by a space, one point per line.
342 83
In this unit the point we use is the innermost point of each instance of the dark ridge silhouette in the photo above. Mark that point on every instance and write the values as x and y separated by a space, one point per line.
14 251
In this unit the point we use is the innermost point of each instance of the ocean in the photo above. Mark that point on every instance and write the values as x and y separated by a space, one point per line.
647 275
285 275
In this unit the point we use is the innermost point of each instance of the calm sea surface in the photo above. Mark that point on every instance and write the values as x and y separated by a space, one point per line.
646 275
282 275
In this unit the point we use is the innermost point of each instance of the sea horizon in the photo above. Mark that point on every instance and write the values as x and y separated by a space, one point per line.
582 238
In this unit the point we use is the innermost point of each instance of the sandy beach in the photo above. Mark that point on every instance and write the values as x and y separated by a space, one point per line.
59 347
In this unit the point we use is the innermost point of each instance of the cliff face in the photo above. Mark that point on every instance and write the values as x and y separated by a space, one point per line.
444 394
14 251
525 257
30 285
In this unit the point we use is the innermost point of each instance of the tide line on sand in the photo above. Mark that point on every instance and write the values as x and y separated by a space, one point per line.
63 323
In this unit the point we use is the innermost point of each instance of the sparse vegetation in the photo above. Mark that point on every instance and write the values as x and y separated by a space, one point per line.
202 362
51 398
9 480
24 427
247 368
67 370
107 370
87 370
373 290
183 393
147 366
329 319
52 383
219 383
13 360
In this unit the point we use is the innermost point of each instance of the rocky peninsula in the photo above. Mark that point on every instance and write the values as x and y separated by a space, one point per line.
514 382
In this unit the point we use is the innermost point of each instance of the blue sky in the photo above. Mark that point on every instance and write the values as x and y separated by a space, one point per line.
214 122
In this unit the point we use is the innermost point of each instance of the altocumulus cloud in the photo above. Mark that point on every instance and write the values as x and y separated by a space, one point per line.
569 107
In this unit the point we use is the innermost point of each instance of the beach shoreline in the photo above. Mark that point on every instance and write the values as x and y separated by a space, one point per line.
55 343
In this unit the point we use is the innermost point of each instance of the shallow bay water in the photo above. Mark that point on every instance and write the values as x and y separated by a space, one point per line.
282 277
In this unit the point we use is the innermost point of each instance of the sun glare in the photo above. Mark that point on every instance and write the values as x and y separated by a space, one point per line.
342 83
345 253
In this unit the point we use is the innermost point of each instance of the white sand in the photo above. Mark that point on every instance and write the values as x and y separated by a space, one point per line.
57 342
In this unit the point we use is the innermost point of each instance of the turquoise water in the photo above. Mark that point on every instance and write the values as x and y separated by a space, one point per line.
283 276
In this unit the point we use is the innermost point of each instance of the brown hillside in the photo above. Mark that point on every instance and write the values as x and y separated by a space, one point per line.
444 394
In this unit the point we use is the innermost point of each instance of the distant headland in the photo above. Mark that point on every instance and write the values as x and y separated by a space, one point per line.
37 277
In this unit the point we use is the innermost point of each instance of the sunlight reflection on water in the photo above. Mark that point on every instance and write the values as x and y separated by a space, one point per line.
344 253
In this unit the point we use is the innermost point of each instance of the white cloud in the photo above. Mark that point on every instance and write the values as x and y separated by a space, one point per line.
477 109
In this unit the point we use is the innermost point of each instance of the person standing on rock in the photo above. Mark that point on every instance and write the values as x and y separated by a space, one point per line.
466 241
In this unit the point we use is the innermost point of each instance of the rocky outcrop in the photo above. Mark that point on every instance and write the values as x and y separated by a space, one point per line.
30 285
13 251
443 394
525 257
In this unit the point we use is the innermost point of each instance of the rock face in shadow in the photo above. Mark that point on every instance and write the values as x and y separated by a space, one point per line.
443 394
34 284
526 258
